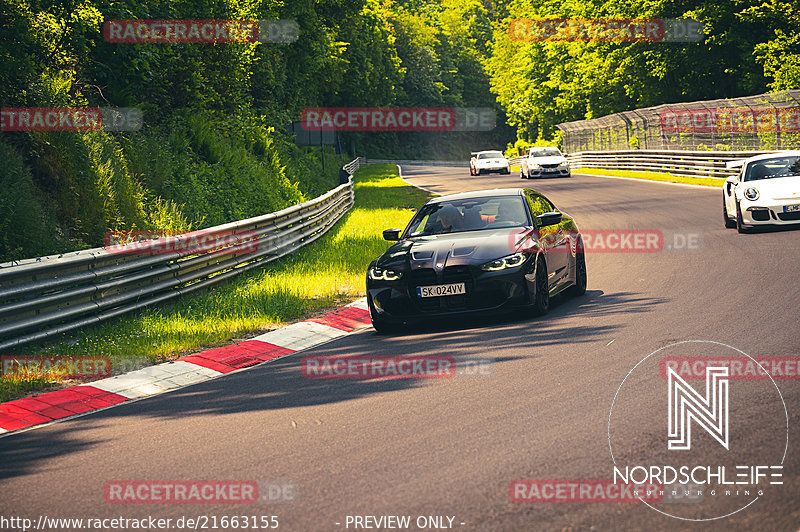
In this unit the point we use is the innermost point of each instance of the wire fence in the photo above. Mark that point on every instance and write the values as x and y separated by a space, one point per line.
763 122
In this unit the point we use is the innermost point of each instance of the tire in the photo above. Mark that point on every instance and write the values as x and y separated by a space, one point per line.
541 302
382 327
740 227
580 272
729 224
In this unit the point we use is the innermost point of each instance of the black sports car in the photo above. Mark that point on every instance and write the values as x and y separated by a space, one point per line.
474 252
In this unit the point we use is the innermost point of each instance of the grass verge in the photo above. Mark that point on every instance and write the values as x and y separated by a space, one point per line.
323 275
652 176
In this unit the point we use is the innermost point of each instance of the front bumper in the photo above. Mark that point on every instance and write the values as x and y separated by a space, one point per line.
491 169
485 292
549 172
769 212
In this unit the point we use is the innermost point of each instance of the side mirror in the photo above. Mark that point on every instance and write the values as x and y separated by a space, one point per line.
392 235
549 218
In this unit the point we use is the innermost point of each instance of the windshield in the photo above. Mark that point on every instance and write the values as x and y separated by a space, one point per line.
490 155
471 214
547 152
769 168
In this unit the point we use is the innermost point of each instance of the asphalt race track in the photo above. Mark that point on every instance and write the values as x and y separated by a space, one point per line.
451 447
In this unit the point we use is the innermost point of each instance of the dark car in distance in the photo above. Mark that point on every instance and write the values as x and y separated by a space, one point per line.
476 252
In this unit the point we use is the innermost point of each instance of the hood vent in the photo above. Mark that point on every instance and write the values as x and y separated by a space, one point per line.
422 255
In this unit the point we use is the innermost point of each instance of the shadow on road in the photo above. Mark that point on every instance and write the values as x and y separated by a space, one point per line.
280 385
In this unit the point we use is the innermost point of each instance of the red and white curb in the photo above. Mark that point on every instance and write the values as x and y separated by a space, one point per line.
78 400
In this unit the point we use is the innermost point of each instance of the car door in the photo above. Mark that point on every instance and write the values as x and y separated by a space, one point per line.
554 239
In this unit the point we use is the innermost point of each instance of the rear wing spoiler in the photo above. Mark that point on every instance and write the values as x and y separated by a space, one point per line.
473 153
731 165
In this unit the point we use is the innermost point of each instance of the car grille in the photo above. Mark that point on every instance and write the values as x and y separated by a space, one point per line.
789 216
458 274
760 215
549 166
451 274
423 277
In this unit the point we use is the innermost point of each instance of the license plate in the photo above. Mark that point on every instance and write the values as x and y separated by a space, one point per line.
442 290
791 208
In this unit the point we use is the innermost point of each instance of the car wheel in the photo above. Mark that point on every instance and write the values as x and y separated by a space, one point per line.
521 173
729 224
739 222
580 271
541 302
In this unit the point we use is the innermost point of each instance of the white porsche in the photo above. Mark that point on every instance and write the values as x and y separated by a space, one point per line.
765 191
488 162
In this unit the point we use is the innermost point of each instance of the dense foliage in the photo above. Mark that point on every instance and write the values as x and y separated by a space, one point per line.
214 147
749 47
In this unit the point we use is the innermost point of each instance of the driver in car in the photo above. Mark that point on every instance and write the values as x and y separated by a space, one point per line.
450 219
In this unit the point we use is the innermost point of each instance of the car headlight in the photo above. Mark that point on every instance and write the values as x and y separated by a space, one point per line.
564 164
378 274
535 166
506 262
751 193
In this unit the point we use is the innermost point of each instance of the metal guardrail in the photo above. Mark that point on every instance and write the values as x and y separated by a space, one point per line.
674 162
414 162
45 296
